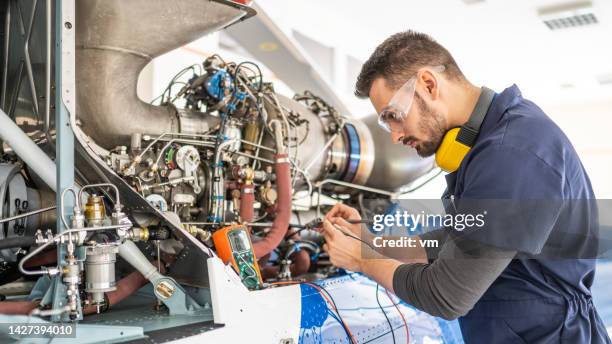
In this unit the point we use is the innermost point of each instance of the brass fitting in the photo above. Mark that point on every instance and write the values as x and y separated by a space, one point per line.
143 234
94 209
267 195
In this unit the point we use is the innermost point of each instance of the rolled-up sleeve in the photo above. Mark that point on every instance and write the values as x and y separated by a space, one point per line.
451 285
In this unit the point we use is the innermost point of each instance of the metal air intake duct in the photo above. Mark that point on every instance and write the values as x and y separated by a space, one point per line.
115 40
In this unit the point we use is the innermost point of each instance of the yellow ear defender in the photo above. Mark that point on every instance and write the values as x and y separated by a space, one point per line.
457 142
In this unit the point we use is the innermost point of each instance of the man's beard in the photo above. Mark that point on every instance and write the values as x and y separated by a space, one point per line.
432 125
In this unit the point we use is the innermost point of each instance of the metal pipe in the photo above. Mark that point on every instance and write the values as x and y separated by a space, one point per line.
277 127
28 60
77 205
172 182
16 217
258 145
253 157
43 271
259 140
55 270
290 137
320 153
19 14
27 150
217 205
160 137
7 44
222 147
211 145
47 124
13 104
207 144
193 142
348 185
50 312
356 186
130 252
253 224
113 186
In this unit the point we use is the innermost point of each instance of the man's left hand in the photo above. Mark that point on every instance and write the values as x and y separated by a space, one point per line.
344 252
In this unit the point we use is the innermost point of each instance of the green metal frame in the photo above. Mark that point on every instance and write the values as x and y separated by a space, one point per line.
64 147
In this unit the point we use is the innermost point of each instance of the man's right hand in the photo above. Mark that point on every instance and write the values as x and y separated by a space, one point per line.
339 215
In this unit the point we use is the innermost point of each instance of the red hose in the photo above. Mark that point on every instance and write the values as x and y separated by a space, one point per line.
44 258
247 198
300 265
125 287
283 213
17 307
25 307
300 260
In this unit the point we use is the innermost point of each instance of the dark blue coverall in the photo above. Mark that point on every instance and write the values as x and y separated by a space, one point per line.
544 295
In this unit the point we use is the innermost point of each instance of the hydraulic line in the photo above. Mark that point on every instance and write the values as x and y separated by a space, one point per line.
34 212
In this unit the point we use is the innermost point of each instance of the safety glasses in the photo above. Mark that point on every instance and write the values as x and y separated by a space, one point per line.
392 116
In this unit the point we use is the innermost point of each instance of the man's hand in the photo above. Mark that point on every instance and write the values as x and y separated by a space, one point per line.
344 252
340 213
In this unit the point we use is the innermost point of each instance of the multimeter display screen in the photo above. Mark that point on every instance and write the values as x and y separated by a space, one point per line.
239 240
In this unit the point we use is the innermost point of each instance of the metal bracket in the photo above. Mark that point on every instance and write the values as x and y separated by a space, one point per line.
174 296
65 81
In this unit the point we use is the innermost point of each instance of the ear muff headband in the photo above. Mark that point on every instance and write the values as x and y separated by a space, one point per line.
457 142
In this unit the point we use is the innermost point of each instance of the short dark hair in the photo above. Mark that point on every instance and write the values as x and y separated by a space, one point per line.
400 56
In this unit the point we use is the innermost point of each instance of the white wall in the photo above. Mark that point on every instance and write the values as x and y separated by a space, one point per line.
589 126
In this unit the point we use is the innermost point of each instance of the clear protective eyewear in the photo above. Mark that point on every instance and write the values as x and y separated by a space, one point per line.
393 115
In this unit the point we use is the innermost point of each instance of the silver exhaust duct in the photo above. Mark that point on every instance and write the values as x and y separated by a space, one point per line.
115 40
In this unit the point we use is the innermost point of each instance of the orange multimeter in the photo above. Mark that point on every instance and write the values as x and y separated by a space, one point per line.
234 246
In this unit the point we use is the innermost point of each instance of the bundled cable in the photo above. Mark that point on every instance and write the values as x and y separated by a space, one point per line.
384 313
401 315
